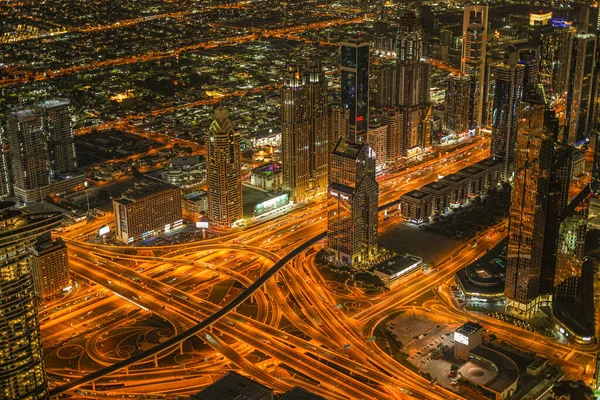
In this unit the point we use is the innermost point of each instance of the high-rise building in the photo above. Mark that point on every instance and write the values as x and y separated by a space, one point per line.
508 90
305 132
149 208
338 124
475 27
392 118
28 150
355 86
5 167
571 246
42 150
386 82
223 170
353 202
529 197
60 137
377 140
558 199
50 267
412 85
457 104
579 90
22 373
529 57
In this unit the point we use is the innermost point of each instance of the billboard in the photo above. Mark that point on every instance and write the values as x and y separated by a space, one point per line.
460 338
271 204
104 230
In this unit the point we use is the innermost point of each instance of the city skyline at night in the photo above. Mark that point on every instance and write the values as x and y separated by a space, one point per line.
299 200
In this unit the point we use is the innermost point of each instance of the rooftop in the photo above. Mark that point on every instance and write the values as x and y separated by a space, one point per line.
269 169
508 372
435 186
416 194
469 328
54 103
347 149
297 393
489 163
454 178
399 264
472 170
144 188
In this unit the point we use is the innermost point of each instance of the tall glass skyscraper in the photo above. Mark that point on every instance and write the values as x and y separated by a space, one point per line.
355 87
22 373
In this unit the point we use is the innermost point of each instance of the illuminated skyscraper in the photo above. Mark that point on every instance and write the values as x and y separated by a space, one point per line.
529 197
59 133
337 123
579 90
508 90
22 373
475 26
223 170
5 167
412 85
50 267
355 87
353 202
28 150
457 104
305 132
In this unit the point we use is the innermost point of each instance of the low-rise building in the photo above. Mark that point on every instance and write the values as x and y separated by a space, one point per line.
267 177
185 172
148 209
459 188
397 270
416 206
493 176
195 203
440 193
477 178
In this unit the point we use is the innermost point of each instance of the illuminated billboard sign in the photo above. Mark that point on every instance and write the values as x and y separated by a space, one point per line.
271 204
460 338
104 230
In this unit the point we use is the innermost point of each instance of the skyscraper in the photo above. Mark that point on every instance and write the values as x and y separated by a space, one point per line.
472 63
305 132
50 267
508 90
28 150
579 90
353 202
457 104
59 133
223 170
5 167
22 366
412 84
355 86
527 218
337 123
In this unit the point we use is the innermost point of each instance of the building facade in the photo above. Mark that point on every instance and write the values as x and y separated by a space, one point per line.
223 171
456 115
472 63
146 210
22 373
527 218
50 268
352 219
355 87
305 132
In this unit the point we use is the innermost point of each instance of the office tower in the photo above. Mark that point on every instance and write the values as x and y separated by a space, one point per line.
50 267
562 43
28 150
529 197
392 118
489 86
22 366
412 85
338 124
529 58
355 86
5 167
59 133
508 90
305 132
472 63
571 246
386 83
149 208
353 202
377 140
558 200
538 23
223 170
579 90
457 104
